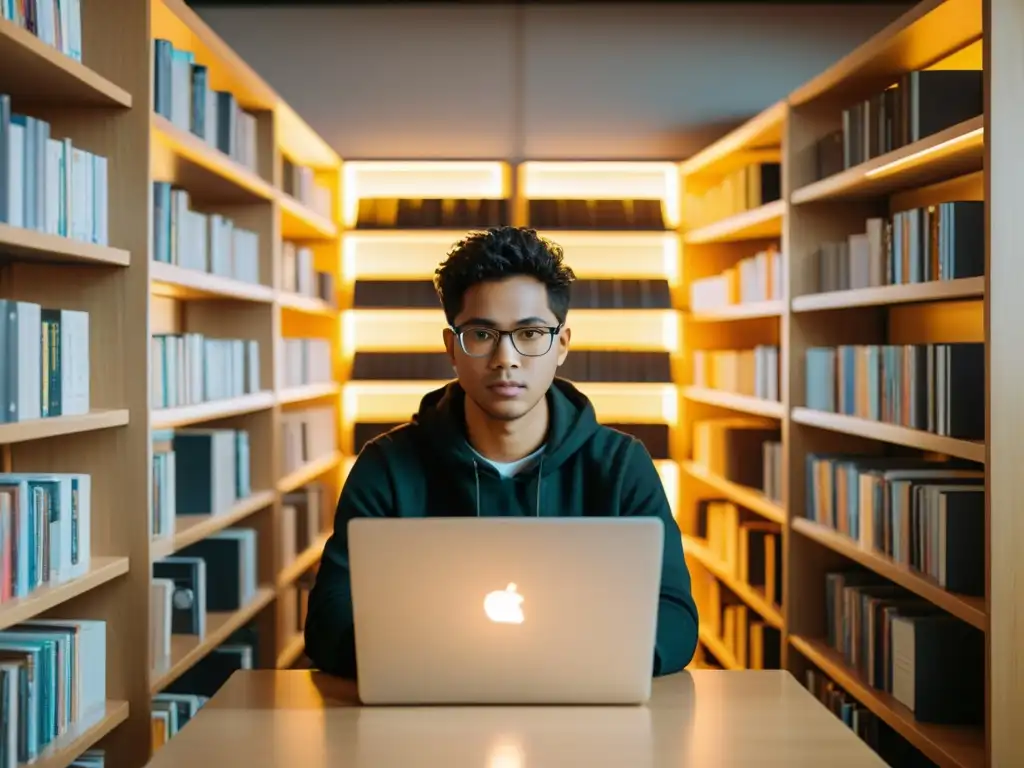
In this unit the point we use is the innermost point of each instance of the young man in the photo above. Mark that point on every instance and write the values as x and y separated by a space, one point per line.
506 438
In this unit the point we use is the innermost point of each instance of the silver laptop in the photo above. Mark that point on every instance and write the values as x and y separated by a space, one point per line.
505 610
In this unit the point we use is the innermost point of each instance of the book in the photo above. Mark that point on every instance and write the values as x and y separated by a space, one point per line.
189 368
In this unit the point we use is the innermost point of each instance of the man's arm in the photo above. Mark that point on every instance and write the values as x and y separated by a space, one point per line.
644 494
329 631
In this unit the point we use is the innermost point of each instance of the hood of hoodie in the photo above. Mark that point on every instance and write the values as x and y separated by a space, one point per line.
572 422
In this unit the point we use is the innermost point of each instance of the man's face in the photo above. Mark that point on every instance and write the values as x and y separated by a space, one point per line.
506 383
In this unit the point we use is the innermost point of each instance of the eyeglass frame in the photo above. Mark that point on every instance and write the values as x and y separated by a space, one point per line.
552 330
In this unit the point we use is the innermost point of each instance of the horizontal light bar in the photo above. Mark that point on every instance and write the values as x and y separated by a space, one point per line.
668 471
419 330
414 255
626 403
929 153
421 179
605 181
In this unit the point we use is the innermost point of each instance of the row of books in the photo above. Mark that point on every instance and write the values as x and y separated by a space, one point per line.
615 293
923 514
45 521
929 661
734 449
754 279
48 184
938 388
748 640
190 368
183 94
293 604
52 674
580 365
940 242
170 712
207 242
876 733
753 372
607 215
45 357
307 435
749 550
300 275
751 186
300 182
197 472
217 574
54 22
922 103
306 361
303 514
431 213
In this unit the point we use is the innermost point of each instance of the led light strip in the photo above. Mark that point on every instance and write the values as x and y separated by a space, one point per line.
626 403
420 330
414 255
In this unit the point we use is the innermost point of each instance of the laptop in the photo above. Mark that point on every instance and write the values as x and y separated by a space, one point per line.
505 610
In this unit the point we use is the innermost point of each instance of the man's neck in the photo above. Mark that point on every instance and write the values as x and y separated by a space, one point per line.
505 441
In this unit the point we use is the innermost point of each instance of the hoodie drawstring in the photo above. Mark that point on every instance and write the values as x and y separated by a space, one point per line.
476 478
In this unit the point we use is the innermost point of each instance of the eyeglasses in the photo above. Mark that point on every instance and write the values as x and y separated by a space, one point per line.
479 341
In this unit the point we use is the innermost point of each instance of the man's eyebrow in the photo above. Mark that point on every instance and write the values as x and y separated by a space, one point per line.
486 321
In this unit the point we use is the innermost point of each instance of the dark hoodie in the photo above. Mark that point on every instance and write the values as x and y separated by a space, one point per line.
427 468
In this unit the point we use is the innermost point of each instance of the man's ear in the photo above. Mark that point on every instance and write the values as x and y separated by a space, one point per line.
449 344
563 344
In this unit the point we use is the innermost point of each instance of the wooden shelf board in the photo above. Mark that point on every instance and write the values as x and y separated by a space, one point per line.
761 131
37 72
945 745
301 143
745 403
307 392
748 498
166 418
82 734
294 648
186 650
55 426
101 570
938 290
303 562
752 596
175 282
890 433
208 173
718 648
309 305
299 222
964 607
308 472
925 34
22 244
192 528
953 152
757 223
738 312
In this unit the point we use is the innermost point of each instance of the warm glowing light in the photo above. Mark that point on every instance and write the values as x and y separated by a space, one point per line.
420 330
927 153
414 255
668 471
605 181
421 179
504 606
506 754
625 403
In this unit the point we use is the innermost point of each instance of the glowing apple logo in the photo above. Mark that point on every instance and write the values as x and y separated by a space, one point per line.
504 606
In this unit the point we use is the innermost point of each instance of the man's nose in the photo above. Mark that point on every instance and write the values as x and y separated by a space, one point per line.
505 354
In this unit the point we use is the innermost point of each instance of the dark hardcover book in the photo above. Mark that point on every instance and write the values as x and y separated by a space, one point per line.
188 604
230 558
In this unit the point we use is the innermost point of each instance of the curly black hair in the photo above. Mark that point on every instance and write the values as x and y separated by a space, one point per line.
501 252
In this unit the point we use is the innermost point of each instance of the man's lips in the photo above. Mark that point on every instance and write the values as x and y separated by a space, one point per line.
506 388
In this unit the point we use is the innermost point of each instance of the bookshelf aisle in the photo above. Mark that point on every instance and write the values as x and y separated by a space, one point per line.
244 366
733 405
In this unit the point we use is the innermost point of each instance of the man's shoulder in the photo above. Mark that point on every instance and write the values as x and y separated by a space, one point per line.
608 446
398 439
